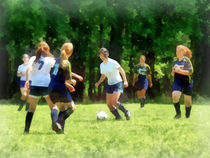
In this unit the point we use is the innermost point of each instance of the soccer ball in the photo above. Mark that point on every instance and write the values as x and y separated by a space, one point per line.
101 116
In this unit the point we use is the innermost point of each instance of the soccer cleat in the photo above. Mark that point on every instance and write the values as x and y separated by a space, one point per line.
177 116
26 132
127 115
57 127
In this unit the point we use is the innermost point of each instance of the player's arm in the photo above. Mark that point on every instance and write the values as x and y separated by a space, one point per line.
150 80
134 79
28 71
102 78
80 78
122 72
182 72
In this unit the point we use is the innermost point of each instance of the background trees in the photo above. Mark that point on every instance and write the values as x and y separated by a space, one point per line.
127 28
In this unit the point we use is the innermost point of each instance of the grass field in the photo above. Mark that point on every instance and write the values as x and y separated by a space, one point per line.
151 133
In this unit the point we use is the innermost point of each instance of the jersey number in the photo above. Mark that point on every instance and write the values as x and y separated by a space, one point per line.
41 64
55 70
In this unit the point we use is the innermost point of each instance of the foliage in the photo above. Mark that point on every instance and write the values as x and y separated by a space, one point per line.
126 28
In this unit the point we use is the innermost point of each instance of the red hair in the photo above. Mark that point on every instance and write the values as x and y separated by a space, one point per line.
43 49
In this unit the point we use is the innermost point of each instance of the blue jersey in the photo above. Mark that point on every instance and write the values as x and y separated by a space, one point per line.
184 64
59 74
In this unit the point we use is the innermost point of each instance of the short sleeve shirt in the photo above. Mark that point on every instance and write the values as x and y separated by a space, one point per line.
143 70
110 70
22 69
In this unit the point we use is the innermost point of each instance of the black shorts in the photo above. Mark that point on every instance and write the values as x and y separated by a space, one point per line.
36 91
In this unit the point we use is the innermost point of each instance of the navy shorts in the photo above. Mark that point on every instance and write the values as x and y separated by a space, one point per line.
142 84
36 91
22 83
118 87
184 88
59 93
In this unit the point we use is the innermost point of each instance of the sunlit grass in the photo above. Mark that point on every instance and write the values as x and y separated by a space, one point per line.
151 132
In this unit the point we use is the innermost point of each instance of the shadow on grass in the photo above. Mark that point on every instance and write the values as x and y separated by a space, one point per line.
40 133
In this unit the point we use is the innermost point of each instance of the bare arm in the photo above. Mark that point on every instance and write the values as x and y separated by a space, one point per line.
150 80
80 78
122 72
182 72
134 79
102 78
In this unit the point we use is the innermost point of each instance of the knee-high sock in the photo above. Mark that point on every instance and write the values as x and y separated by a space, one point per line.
121 107
63 115
177 108
188 110
28 120
54 115
116 114
142 101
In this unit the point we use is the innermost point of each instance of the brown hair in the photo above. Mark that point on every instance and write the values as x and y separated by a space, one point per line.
25 55
66 51
43 49
104 51
187 51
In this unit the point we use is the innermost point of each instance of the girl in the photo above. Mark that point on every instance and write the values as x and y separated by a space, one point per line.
182 70
39 71
111 69
61 79
143 72
21 72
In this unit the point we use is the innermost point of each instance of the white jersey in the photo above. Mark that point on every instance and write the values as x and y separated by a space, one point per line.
40 75
22 69
110 70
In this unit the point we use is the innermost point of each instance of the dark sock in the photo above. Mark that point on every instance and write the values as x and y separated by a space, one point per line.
54 115
188 110
21 104
27 106
116 114
121 107
61 119
67 113
28 120
142 102
177 108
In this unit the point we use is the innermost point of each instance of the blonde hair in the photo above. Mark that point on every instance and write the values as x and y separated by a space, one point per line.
187 51
66 51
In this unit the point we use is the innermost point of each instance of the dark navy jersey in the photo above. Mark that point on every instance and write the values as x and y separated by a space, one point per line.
184 64
58 74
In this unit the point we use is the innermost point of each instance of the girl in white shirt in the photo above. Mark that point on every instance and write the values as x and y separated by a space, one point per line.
21 72
111 69
39 70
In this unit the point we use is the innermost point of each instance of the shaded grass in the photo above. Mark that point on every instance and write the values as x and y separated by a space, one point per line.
151 132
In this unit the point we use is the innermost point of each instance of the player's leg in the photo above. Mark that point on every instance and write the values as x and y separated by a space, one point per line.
175 97
112 109
23 98
188 105
64 114
117 104
141 94
29 116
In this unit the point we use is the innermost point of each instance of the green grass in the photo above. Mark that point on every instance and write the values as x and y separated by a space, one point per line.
151 133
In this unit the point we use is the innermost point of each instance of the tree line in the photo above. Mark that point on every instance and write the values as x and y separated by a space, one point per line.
128 28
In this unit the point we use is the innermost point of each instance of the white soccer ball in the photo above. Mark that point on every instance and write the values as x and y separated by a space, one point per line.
101 116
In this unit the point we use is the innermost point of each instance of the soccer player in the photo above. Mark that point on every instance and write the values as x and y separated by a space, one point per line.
61 78
182 70
111 69
143 76
39 72
21 72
